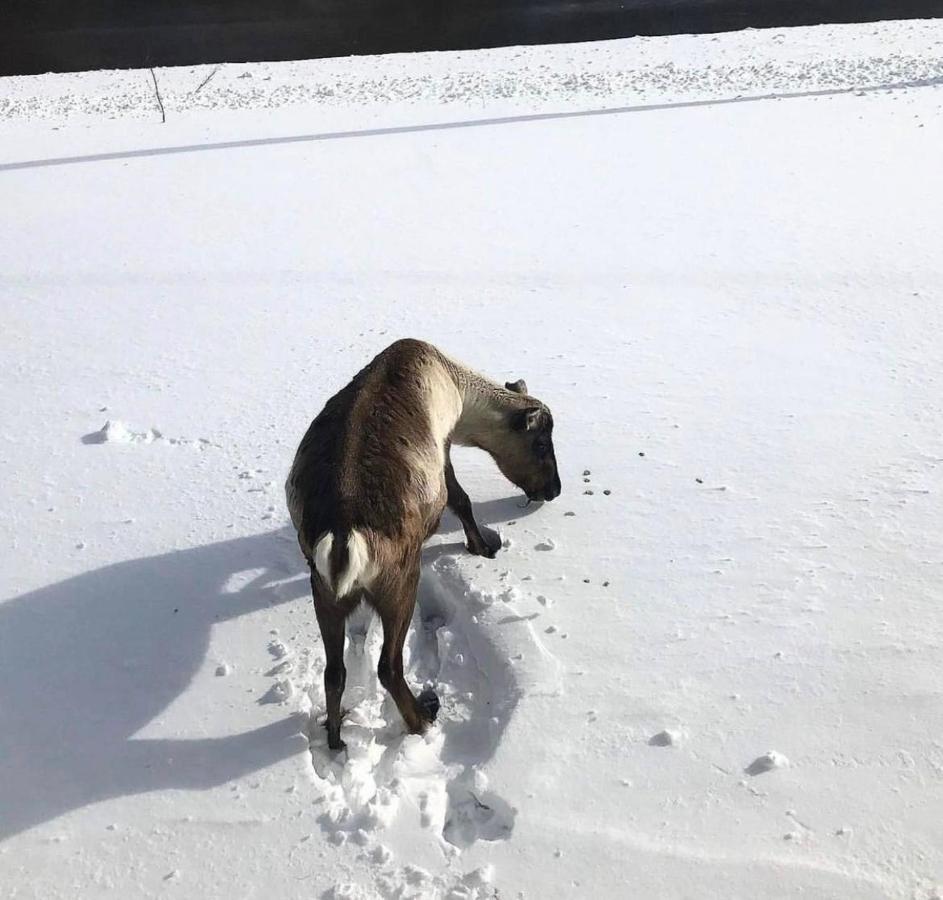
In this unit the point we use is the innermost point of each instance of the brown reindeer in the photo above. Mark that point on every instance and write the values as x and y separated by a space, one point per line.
371 480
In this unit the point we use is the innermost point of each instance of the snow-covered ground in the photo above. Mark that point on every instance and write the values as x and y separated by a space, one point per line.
711 668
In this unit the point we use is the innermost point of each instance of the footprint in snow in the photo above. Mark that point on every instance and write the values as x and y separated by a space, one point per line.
277 649
386 772
413 881
278 692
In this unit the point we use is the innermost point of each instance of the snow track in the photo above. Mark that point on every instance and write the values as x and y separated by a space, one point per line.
437 772
434 782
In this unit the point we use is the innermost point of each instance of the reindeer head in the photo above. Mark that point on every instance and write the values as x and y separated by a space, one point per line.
524 448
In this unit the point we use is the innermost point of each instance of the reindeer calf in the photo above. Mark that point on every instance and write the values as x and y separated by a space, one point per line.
371 480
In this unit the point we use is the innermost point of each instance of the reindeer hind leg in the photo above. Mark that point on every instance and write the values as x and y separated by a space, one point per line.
331 620
395 605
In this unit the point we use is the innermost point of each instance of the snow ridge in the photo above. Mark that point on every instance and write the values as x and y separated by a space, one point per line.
616 73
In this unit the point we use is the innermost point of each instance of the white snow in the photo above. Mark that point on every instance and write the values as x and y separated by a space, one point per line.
766 763
119 433
666 738
733 309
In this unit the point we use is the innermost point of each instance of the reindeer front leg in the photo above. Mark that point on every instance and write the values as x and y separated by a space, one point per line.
480 543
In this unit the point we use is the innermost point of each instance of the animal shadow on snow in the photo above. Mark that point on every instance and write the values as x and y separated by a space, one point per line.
502 509
87 663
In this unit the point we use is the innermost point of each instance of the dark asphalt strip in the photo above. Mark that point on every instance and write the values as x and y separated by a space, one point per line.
39 36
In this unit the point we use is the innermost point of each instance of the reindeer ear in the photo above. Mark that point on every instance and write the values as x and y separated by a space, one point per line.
519 386
527 419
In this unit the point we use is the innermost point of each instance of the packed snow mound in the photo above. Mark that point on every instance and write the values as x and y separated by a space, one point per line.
117 432
766 763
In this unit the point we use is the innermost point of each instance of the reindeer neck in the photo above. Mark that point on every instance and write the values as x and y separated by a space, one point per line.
485 407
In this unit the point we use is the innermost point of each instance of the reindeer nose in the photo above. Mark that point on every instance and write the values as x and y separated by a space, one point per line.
553 489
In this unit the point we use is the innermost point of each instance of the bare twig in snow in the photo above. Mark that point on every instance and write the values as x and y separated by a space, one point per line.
160 103
205 80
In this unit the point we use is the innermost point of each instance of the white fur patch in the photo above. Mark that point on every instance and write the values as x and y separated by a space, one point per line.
444 408
445 405
360 570
322 557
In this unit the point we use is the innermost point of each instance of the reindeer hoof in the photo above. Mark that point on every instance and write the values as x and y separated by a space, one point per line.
488 546
334 741
428 704
482 549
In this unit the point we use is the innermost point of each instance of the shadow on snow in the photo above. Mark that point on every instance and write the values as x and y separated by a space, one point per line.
87 663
